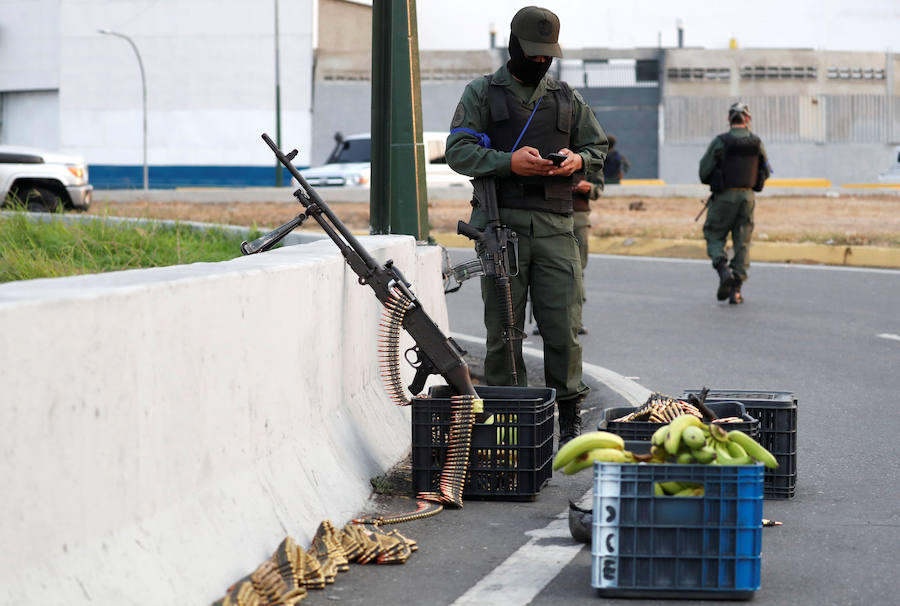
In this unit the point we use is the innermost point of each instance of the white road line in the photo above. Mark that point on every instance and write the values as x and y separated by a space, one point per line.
527 571
635 393
887 335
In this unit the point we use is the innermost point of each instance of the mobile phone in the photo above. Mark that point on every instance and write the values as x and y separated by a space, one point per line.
556 158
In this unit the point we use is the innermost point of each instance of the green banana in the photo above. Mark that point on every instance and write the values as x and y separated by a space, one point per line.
584 443
717 433
693 437
753 448
726 456
658 490
685 458
704 454
670 487
585 460
676 427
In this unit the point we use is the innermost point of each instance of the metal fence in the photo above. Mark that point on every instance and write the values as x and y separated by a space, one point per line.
788 119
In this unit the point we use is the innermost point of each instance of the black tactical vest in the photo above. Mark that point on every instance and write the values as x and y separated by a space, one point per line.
548 133
740 167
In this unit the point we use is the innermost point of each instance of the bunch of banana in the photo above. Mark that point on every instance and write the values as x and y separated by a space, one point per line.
687 440
581 451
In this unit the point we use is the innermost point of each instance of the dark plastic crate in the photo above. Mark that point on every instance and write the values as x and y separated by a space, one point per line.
644 430
648 546
509 459
777 415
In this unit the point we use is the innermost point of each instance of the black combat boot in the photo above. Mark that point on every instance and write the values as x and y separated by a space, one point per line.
726 280
569 419
735 298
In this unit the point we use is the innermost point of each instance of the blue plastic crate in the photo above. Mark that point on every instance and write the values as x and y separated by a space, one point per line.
651 546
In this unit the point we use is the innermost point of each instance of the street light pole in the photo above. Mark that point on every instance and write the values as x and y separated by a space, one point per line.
278 170
109 32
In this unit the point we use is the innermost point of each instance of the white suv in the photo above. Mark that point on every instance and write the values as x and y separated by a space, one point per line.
349 164
41 180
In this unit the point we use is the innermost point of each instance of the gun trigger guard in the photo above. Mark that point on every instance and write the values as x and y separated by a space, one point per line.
416 361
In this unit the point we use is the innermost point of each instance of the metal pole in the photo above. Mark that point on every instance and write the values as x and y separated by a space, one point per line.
278 171
143 95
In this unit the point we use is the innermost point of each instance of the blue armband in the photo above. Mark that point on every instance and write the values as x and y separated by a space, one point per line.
483 139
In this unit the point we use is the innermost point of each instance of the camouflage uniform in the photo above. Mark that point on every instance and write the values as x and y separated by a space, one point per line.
549 264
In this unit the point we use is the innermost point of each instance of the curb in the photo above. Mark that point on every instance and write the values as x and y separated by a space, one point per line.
770 252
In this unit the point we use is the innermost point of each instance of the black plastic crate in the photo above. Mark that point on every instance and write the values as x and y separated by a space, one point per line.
777 415
644 430
510 458
649 546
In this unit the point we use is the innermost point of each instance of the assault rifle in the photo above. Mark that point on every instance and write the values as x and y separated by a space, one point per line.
703 210
497 257
433 353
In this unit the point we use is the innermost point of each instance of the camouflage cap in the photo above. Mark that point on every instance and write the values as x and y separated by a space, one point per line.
538 31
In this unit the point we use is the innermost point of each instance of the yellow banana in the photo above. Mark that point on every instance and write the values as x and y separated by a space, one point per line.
753 448
585 460
690 491
693 437
676 427
659 436
584 443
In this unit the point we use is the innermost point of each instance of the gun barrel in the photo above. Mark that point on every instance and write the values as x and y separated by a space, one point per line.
326 210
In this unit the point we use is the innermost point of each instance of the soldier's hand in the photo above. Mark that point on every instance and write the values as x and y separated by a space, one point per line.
572 163
527 161
582 186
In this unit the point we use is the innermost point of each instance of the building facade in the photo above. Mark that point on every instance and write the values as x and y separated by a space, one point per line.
212 88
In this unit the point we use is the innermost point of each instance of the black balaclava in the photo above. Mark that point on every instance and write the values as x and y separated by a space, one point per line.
529 72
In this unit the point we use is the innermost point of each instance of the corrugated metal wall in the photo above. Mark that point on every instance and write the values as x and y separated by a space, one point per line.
788 119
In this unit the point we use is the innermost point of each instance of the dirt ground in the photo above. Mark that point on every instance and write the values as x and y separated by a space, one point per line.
859 221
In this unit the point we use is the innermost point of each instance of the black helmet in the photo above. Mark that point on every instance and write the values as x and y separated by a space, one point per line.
739 109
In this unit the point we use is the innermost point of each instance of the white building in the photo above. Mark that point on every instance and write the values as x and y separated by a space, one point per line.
210 80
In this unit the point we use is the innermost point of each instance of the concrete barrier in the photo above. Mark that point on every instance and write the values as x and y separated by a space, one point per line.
164 429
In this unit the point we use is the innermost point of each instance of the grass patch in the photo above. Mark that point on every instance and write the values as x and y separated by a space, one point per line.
51 249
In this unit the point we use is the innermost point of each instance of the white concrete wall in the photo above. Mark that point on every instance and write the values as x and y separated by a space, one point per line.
164 429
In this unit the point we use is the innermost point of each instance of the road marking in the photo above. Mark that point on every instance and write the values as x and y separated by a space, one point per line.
635 393
527 571
887 335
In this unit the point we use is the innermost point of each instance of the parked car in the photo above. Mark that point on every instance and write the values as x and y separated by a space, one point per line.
892 175
349 164
42 180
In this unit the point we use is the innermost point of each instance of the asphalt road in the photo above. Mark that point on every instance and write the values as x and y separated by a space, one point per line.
828 335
